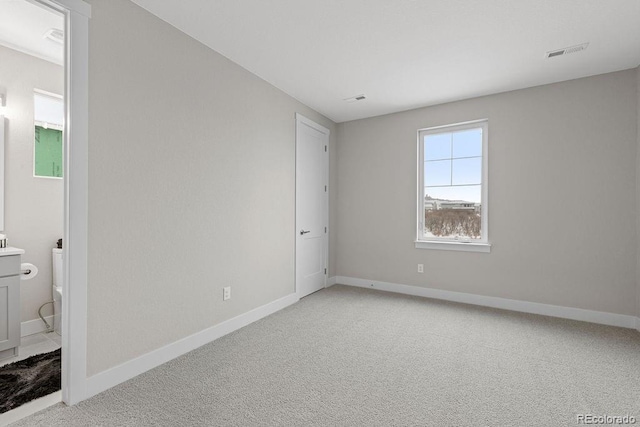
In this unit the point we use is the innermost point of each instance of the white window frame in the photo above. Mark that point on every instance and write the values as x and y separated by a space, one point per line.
481 245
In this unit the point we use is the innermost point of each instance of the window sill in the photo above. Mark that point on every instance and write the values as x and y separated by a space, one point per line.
454 246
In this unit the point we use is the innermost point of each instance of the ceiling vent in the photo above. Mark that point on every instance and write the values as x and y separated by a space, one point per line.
355 99
567 50
55 35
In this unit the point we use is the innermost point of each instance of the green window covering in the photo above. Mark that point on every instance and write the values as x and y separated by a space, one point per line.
48 152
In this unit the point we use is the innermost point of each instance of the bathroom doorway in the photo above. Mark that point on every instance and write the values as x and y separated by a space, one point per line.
44 148
32 84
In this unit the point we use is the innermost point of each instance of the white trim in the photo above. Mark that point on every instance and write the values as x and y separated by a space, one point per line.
48 177
461 125
48 125
76 147
331 281
300 119
603 318
78 6
638 323
49 94
311 123
121 373
35 326
21 49
30 408
76 174
454 246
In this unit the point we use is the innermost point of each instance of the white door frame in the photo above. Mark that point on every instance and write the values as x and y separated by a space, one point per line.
76 145
300 119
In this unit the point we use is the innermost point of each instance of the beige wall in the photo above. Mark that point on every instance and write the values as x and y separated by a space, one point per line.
33 206
562 201
191 186
191 169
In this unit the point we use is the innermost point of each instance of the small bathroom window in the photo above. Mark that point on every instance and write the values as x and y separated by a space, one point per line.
48 141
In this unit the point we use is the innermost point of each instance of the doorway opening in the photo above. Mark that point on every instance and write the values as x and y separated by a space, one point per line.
32 77
50 38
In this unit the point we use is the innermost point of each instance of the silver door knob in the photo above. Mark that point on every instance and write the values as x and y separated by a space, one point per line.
304 232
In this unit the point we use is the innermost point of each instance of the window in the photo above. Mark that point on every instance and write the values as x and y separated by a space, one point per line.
48 142
452 187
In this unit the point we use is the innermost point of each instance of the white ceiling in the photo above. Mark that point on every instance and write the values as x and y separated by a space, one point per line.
22 26
404 54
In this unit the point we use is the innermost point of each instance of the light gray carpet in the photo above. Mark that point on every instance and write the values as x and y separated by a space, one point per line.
355 357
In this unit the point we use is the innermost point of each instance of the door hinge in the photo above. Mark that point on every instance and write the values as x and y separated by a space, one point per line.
325 229
325 188
325 148
325 271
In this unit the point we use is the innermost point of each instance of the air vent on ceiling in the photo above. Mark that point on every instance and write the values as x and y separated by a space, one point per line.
55 35
567 50
355 98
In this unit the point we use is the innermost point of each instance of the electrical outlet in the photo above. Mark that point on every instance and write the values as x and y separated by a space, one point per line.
420 268
226 293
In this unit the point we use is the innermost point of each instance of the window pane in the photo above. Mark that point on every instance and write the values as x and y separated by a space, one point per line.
467 171
453 212
437 147
48 152
437 172
468 193
467 143
48 109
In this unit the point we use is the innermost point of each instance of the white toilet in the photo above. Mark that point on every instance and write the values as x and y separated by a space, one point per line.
57 288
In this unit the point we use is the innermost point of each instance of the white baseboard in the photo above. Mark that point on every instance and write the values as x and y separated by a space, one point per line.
600 317
121 373
34 326
331 281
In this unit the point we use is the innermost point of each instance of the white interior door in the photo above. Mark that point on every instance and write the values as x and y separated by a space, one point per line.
312 205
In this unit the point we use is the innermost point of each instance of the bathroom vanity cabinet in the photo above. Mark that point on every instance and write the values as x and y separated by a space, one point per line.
10 259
